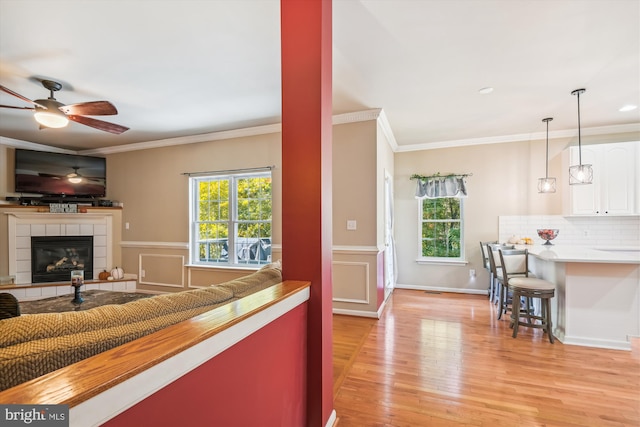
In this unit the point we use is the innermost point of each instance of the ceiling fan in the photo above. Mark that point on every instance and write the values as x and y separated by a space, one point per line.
53 114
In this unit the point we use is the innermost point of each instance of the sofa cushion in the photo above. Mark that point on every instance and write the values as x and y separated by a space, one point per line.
247 285
30 327
31 359
35 344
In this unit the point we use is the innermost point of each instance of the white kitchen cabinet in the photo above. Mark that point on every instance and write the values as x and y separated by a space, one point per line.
614 190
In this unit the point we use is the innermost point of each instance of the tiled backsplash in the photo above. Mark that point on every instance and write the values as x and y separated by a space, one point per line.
593 230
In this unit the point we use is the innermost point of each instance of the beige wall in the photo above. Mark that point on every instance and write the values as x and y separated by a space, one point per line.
504 182
154 192
361 155
354 183
151 185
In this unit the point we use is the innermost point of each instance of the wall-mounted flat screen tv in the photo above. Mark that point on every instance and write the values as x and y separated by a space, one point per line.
60 174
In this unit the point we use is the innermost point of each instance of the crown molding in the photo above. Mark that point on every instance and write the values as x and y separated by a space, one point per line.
193 139
357 116
17 143
377 114
386 130
353 117
569 133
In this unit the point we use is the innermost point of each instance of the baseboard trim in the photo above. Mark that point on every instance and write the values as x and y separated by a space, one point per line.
357 313
442 289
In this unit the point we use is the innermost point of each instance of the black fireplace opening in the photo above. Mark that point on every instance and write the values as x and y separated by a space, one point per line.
53 258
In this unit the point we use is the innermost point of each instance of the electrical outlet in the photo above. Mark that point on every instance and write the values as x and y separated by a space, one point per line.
586 233
472 273
126 225
142 273
351 224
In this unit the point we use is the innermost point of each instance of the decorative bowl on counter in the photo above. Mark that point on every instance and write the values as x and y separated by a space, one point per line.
548 234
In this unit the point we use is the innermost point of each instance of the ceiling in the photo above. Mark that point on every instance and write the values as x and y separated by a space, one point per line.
183 68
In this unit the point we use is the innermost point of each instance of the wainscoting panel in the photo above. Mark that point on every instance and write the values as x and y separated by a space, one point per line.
161 270
356 276
356 285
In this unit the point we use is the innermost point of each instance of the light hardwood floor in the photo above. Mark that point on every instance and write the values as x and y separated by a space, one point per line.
444 360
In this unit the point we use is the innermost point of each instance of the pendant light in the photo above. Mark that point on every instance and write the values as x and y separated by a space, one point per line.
546 184
580 174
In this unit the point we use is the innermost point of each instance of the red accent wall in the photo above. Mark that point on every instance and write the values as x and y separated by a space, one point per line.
261 381
283 374
306 182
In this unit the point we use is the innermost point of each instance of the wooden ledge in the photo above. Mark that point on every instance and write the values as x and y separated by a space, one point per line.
83 380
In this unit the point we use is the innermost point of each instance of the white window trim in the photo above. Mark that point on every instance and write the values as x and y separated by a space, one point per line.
461 260
232 222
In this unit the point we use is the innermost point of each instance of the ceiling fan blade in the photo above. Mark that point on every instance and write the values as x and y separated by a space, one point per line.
17 95
17 108
98 124
95 108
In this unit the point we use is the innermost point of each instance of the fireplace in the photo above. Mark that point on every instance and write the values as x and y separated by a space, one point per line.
54 257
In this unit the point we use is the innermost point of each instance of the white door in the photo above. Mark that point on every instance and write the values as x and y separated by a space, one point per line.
389 243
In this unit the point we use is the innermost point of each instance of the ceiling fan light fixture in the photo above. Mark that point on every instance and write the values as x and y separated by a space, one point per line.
580 174
51 120
546 184
50 116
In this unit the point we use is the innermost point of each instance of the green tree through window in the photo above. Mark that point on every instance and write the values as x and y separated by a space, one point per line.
441 224
231 219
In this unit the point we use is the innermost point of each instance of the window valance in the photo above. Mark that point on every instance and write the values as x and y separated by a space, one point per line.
440 186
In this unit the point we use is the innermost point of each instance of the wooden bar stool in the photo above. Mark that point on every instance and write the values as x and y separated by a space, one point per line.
495 269
530 288
513 263
487 265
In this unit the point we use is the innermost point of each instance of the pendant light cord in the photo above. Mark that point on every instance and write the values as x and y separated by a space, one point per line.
578 92
546 173
579 135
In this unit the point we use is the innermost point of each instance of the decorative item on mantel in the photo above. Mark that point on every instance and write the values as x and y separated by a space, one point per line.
8 280
63 208
117 273
440 186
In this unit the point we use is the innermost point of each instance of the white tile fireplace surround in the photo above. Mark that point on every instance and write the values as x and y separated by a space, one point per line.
22 226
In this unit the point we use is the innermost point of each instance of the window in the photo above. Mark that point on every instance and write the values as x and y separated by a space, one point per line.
441 228
230 219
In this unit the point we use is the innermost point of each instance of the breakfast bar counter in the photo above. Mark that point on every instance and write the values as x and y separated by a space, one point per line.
587 254
597 301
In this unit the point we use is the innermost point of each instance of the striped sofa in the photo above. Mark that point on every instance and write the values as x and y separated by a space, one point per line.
32 345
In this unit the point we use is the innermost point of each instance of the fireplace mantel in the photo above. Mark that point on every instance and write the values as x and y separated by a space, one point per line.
23 225
74 216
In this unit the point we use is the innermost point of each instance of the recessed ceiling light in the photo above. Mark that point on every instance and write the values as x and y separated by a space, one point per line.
486 90
628 108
